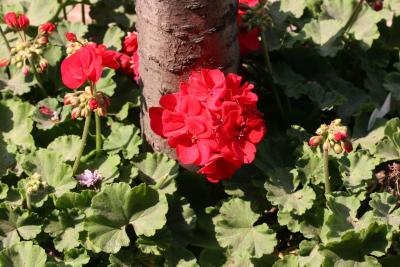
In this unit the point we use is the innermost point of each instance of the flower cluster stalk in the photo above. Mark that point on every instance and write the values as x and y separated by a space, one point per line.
83 143
326 172
5 39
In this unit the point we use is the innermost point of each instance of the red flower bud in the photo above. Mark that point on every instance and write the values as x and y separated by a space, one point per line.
47 28
11 20
315 140
23 21
347 146
71 37
67 100
337 148
43 40
25 70
76 112
340 136
3 62
93 104
378 5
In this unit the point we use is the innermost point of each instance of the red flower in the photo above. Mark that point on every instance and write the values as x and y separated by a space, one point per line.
109 57
340 136
347 146
220 167
71 37
46 111
212 122
130 44
47 28
11 20
248 40
85 64
23 21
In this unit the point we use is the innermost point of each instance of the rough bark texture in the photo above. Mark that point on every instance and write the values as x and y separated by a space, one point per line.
177 37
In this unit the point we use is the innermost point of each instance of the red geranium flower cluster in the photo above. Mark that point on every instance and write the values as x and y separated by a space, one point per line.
129 57
248 40
212 122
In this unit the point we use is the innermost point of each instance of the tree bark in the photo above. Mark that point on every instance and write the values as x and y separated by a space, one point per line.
177 37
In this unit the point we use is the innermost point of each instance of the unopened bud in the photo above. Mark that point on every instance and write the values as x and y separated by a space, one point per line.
93 104
25 70
75 113
43 63
326 145
338 149
43 40
336 122
347 146
3 62
315 140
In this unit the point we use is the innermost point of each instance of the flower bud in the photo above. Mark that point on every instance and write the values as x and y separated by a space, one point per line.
46 28
101 112
19 65
43 63
45 184
67 99
35 188
23 21
315 140
347 146
85 112
43 40
75 113
337 148
3 62
11 20
71 37
25 70
93 104
336 122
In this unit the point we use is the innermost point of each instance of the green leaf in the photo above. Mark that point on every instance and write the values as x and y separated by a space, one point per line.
23 254
50 166
76 257
70 200
124 258
19 84
16 124
46 122
124 138
296 7
113 37
356 245
3 190
17 224
322 31
180 257
158 170
281 192
357 170
106 84
392 84
341 217
238 233
287 261
41 11
7 159
67 145
117 206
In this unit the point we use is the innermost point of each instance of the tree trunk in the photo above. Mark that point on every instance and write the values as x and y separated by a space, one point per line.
177 37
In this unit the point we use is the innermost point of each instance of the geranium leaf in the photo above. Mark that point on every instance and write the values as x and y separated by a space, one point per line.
158 170
17 224
238 233
67 145
296 7
107 167
117 206
112 38
124 138
356 170
49 165
24 254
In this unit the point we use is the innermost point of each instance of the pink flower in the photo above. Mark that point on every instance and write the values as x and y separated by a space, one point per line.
85 64
89 178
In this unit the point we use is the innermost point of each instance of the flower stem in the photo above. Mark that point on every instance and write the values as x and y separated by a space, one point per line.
98 135
83 143
5 39
28 201
267 60
353 16
326 172
38 78
83 13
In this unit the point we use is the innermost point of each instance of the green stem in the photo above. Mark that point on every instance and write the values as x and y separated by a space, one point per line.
64 10
326 172
98 135
38 78
5 39
353 16
83 13
264 41
28 201
83 143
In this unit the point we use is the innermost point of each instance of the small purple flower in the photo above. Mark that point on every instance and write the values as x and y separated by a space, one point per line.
88 178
